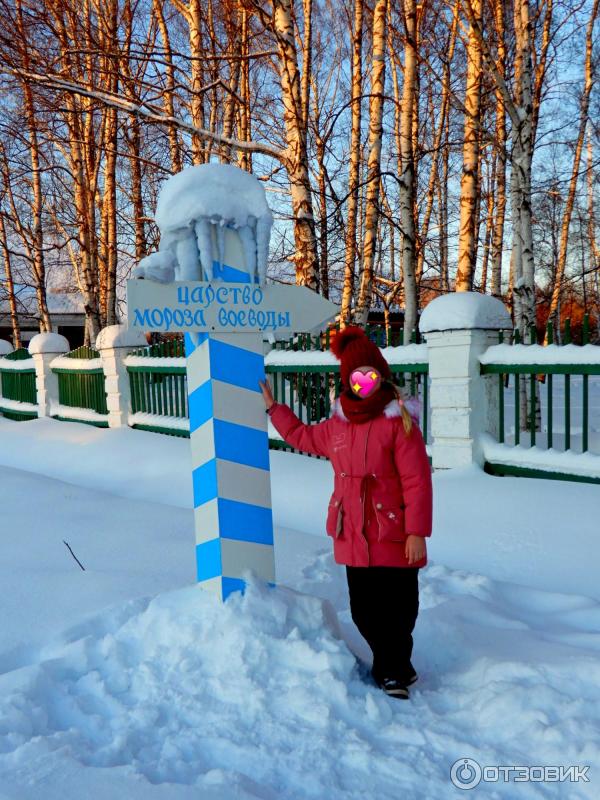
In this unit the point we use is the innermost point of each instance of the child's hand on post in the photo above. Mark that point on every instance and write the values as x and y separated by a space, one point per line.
415 548
265 387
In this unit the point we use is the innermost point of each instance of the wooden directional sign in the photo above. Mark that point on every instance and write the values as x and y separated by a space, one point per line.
225 321
225 307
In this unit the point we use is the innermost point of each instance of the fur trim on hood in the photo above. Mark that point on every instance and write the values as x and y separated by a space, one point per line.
391 410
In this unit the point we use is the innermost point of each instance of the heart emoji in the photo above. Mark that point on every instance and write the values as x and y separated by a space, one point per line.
364 381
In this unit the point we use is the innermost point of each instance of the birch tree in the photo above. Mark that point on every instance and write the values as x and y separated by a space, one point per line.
589 77
355 162
406 185
469 185
374 160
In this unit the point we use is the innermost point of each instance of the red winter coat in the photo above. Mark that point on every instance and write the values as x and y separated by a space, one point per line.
382 488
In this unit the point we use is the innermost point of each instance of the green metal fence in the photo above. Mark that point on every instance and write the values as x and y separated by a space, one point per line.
18 386
82 388
511 376
322 341
159 391
309 389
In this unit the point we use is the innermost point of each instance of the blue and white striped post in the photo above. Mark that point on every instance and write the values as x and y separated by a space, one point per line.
230 451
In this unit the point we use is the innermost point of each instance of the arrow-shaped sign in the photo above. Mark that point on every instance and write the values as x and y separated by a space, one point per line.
219 306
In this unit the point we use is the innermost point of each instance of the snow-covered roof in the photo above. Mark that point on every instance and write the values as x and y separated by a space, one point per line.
58 302
464 310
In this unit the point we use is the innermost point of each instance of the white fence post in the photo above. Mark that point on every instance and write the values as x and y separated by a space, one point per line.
114 343
44 347
459 327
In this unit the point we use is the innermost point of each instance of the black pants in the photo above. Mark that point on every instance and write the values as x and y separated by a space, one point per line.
384 603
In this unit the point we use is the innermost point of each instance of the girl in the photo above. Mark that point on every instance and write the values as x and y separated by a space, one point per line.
381 508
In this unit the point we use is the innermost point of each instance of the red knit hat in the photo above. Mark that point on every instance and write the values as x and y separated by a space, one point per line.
354 349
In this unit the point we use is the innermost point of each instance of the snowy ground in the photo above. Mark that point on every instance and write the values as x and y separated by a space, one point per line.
128 681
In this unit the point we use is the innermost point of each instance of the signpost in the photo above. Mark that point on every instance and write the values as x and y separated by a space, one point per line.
224 323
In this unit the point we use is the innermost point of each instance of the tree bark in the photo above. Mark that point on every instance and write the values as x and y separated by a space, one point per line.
168 99
407 175
470 172
589 78
36 186
355 161
374 160
10 286
306 258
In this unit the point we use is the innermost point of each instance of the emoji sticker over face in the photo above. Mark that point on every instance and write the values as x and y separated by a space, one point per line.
364 381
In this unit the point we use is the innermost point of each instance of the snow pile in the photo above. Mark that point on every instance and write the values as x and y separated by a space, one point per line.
49 343
464 310
188 687
119 336
194 208
131 682
548 458
74 412
259 698
159 421
18 405
126 462
537 354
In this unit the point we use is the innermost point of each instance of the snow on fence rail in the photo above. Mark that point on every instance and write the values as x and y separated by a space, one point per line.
81 388
521 370
158 389
474 387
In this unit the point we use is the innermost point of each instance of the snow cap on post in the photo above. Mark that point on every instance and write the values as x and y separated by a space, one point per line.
119 336
465 311
204 200
5 347
48 343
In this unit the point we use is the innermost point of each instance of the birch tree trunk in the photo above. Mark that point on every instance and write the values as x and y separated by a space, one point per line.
39 266
589 78
306 258
594 247
244 131
406 188
355 158
435 158
374 160
231 98
489 224
307 6
168 97
500 134
470 177
193 15
522 154
10 286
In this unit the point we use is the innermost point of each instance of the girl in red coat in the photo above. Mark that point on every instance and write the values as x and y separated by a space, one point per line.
380 512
